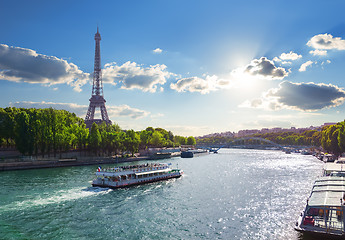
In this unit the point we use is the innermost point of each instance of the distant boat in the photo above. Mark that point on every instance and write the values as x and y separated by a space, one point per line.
305 152
160 155
187 154
190 153
214 150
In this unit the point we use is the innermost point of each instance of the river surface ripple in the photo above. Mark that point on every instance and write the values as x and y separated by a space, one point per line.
236 194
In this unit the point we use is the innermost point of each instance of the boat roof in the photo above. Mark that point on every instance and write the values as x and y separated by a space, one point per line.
329 178
334 167
327 191
155 171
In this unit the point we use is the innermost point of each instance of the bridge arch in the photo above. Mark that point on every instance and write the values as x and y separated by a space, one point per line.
261 140
221 145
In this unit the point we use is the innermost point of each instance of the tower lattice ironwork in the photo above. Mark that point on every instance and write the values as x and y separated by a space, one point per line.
97 99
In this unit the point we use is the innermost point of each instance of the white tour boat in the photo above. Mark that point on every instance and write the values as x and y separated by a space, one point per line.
126 176
324 212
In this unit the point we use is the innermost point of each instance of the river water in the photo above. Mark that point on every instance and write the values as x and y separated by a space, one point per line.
236 194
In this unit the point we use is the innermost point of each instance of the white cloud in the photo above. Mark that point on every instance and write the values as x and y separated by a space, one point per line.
126 111
196 84
258 69
304 66
26 65
80 110
290 56
157 51
277 59
326 41
299 96
318 52
326 62
262 68
286 62
132 75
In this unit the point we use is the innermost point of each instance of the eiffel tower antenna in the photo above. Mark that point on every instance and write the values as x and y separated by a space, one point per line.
97 99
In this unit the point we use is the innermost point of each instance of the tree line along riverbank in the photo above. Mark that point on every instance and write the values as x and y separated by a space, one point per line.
331 139
50 132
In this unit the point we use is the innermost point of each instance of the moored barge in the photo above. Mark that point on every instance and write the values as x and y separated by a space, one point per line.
193 152
126 176
324 212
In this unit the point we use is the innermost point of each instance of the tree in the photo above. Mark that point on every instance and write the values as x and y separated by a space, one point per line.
118 141
94 139
7 120
81 134
132 141
145 137
150 129
23 134
191 140
157 139
341 136
179 140
329 140
316 139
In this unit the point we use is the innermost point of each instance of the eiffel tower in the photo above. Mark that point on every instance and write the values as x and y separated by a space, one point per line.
97 99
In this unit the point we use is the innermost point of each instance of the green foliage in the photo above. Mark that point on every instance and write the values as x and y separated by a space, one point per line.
329 139
7 123
47 131
35 131
132 141
95 138
144 138
191 141
179 140
23 134
341 136
157 139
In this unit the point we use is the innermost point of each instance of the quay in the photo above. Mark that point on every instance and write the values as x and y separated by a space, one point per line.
36 163
53 163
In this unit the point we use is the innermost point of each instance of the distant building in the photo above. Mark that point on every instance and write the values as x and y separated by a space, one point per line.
327 124
243 133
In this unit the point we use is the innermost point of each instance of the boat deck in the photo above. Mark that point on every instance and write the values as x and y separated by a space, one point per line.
325 209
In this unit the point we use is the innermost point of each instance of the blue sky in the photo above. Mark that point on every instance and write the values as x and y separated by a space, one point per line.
192 67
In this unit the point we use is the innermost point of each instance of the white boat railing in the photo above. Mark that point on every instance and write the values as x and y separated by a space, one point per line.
139 168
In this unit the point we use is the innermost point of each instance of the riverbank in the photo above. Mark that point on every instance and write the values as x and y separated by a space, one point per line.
33 163
68 162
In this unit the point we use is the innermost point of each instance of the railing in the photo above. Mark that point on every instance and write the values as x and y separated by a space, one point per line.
136 169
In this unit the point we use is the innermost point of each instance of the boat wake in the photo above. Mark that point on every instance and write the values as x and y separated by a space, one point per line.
55 198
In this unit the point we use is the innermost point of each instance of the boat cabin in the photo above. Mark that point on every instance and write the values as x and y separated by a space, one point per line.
325 208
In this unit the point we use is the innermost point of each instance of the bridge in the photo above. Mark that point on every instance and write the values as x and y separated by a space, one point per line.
246 141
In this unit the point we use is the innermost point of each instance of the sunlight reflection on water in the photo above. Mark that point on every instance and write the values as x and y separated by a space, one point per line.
236 194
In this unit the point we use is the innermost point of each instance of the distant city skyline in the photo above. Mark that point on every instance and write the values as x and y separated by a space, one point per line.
191 67
247 132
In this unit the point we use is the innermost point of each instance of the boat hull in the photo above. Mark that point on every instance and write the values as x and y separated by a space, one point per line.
114 185
314 234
